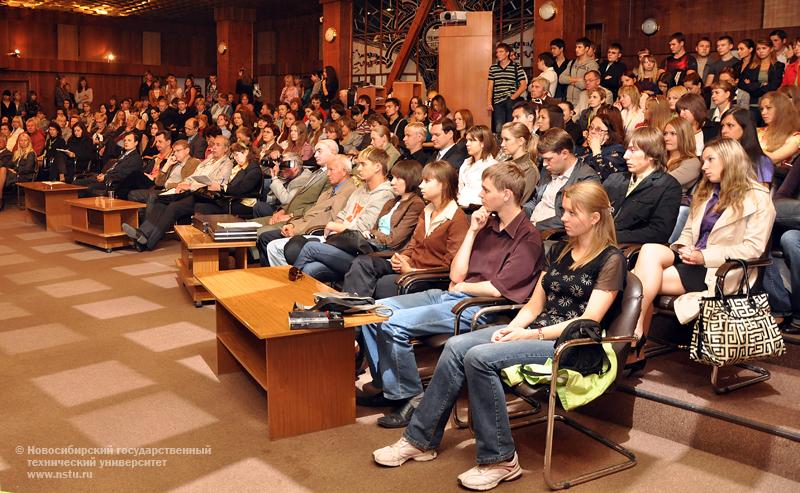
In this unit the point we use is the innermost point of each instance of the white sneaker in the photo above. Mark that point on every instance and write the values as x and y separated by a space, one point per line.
399 452
486 477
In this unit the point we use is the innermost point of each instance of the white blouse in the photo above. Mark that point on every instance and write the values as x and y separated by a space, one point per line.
469 180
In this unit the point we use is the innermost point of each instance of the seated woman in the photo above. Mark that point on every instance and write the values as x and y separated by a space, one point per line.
481 149
315 122
439 232
628 104
595 98
731 216
477 357
80 152
646 199
22 166
53 160
298 141
515 144
550 116
239 194
738 125
682 164
780 138
692 108
394 225
603 149
383 139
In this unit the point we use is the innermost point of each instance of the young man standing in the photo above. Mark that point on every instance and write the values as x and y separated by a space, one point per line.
724 59
783 51
507 83
572 77
701 55
397 124
501 256
679 63
557 50
546 63
612 68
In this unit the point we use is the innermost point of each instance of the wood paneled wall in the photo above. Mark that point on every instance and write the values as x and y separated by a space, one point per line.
184 49
622 20
294 48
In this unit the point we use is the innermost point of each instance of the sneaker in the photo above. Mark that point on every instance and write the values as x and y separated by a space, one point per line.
486 477
397 453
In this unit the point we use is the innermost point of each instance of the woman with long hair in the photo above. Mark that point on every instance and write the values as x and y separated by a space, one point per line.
549 116
412 105
439 108
731 216
736 124
53 162
464 121
791 74
762 75
780 137
648 74
628 104
515 145
289 91
382 138
298 141
692 108
481 152
189 91
656 112
476 358
439 231
745 50
80 152
596 99
84 94
288 120
330 86
682 164
315 121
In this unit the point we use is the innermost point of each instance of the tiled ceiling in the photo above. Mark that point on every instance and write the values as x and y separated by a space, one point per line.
201 10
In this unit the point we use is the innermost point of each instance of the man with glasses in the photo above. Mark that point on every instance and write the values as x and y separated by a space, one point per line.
561 169
591 80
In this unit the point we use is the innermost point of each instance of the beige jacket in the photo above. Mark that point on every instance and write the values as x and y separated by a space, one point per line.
733 237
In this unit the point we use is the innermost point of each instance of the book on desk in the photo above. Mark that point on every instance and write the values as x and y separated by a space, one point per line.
226 227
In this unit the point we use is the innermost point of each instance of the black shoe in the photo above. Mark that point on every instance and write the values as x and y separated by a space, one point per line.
375 400
401 416
133 233
792 328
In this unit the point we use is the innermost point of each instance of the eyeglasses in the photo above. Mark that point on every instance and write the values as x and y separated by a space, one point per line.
598 130
295 274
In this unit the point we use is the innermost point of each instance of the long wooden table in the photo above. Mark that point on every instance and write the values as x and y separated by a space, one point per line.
98 221
46 203
308 374
201 254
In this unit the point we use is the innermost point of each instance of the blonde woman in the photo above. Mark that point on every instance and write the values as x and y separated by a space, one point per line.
476 358
731 217
17 129
631 112
780 138
648 73
382 138
24 159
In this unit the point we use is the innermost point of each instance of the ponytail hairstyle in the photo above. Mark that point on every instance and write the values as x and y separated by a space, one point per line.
589 197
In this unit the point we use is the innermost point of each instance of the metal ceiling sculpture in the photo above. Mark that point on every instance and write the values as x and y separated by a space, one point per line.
382 25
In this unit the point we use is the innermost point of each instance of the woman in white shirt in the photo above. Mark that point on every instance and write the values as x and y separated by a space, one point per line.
628 103
481 148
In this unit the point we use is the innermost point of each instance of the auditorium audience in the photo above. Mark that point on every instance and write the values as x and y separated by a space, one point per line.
476 358
762 75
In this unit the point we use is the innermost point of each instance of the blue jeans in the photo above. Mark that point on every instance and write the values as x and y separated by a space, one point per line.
474 358
324 262
783 302
388 345
501 114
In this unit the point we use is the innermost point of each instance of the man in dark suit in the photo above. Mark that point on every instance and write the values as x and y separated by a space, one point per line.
197 144
124 174
612 68
444 136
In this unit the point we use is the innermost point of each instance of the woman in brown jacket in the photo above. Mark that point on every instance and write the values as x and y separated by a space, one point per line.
395 223
439 232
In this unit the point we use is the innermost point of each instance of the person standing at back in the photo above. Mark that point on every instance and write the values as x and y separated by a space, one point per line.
572 76
679 63
507 83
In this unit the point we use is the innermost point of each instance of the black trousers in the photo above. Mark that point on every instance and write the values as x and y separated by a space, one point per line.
221 207
161 216
371 276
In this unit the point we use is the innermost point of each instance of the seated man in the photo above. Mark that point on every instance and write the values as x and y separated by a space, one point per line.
123 175
179 202
561 168
501 255
288 177
360 213
330 202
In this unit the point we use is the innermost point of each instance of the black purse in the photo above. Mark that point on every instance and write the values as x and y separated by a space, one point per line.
587 359
352 242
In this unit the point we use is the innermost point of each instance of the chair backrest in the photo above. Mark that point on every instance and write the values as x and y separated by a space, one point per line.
620 321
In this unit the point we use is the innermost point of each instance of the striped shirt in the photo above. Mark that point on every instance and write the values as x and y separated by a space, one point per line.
506 80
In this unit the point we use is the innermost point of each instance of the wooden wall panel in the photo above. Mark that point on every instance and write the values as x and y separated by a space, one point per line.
151 48
781 13
68 42
622 21
185 48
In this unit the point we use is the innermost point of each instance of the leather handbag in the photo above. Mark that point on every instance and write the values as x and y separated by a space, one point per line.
735 328
352 242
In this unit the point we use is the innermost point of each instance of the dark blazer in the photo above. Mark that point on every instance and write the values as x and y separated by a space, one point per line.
581 172
649 213
455 156
402 223
197 147
610 76
421 156
749 81
127 174
246 183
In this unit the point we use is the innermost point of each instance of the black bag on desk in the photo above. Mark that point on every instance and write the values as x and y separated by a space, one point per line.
352 242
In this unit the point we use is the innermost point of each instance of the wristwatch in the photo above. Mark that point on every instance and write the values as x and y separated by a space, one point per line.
541 334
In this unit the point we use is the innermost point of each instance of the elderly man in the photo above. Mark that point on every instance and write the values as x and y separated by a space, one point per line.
591 80
177 203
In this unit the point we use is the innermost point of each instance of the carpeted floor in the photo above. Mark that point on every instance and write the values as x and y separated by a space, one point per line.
104 350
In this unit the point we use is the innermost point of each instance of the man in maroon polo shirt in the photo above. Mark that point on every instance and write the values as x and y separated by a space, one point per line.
501 256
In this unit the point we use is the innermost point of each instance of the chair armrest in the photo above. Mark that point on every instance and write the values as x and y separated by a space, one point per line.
553 234
315 231
406 282
733 264
484 301
493 309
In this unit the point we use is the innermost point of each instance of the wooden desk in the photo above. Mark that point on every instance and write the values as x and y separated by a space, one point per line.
46 203
308 374
201 254
98 221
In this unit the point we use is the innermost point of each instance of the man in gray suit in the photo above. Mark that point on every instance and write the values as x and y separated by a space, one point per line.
561 169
